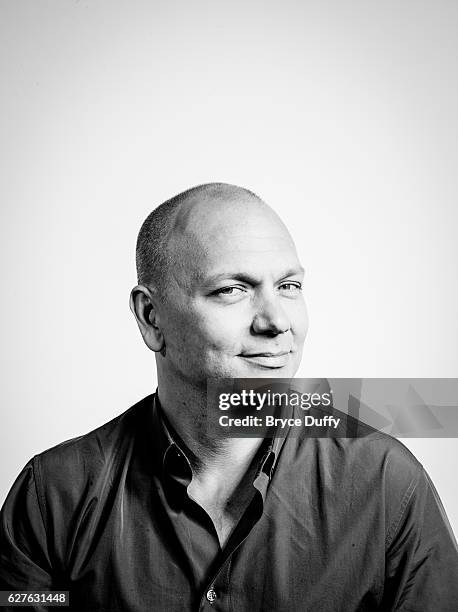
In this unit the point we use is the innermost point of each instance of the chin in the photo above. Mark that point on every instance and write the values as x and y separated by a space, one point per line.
272 373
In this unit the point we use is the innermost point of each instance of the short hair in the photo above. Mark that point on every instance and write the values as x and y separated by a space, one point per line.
152 254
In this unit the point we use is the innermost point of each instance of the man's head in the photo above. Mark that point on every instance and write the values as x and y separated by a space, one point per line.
219 291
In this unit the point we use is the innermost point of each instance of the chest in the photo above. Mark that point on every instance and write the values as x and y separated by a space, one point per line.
293 558
224 511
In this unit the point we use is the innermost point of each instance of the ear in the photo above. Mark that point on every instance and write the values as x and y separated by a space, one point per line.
142 304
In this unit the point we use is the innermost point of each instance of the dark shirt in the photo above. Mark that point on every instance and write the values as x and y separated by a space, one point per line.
335 524
193 526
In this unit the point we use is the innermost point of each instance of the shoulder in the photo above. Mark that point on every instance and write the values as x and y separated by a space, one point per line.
371 475
357 451
381 456
71 465
384 469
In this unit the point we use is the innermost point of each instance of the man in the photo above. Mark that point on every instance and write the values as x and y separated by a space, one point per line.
151 512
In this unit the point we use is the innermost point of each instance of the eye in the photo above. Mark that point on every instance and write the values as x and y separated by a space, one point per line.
291 287
231 291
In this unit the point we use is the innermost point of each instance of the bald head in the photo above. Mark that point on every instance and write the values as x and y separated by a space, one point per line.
190 220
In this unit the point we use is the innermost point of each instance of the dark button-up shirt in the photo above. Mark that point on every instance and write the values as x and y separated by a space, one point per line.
193 526
340 524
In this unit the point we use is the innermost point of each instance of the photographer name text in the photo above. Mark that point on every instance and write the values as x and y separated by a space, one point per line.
271 421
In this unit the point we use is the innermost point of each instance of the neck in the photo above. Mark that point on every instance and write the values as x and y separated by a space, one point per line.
196 423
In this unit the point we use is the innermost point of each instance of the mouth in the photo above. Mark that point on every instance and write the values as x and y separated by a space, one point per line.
267 360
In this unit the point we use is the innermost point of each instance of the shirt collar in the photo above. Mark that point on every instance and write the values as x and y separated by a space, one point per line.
172 455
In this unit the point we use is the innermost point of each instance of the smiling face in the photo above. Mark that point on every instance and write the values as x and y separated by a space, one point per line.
233 306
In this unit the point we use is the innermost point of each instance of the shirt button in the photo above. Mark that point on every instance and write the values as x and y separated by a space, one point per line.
211 595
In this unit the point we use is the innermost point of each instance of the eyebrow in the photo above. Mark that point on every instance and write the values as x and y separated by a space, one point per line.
243 276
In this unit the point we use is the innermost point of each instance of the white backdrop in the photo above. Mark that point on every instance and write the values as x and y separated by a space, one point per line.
341 115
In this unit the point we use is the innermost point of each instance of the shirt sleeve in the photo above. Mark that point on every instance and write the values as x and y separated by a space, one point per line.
24 559
422 558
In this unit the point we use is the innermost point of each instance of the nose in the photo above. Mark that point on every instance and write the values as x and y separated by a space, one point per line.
270 318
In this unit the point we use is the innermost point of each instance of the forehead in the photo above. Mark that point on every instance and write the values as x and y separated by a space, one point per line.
231 237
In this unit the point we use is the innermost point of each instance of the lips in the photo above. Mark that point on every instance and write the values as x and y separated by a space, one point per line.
268 359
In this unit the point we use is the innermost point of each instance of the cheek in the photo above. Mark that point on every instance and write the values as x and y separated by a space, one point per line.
198 330
299 321
222 333
180 330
